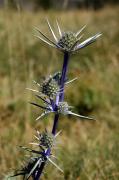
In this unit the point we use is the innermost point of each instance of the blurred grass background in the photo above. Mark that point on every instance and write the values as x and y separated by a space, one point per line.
88 150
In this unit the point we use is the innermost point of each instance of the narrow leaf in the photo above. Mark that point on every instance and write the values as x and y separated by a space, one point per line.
34 167
81 116
55 165
60 33
43 99
80 30
71 80
39 106
32 90
58 133
52 31
44 41
46 37
43 114
88 41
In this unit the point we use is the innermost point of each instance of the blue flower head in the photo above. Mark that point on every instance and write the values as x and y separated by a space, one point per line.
67 41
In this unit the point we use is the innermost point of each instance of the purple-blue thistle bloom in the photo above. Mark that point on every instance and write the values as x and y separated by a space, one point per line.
51 93
68 41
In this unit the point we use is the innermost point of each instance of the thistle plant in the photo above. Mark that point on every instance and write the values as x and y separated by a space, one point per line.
51 93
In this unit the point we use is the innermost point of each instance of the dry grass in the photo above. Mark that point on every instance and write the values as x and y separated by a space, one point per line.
89 151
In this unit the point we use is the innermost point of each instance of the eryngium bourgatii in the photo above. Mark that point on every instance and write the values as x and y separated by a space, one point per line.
67 41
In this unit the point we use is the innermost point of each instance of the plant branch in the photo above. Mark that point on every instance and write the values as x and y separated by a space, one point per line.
59 98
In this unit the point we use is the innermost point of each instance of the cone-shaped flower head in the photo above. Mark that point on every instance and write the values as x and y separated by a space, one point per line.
49 87
47 139
63 108
67 41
